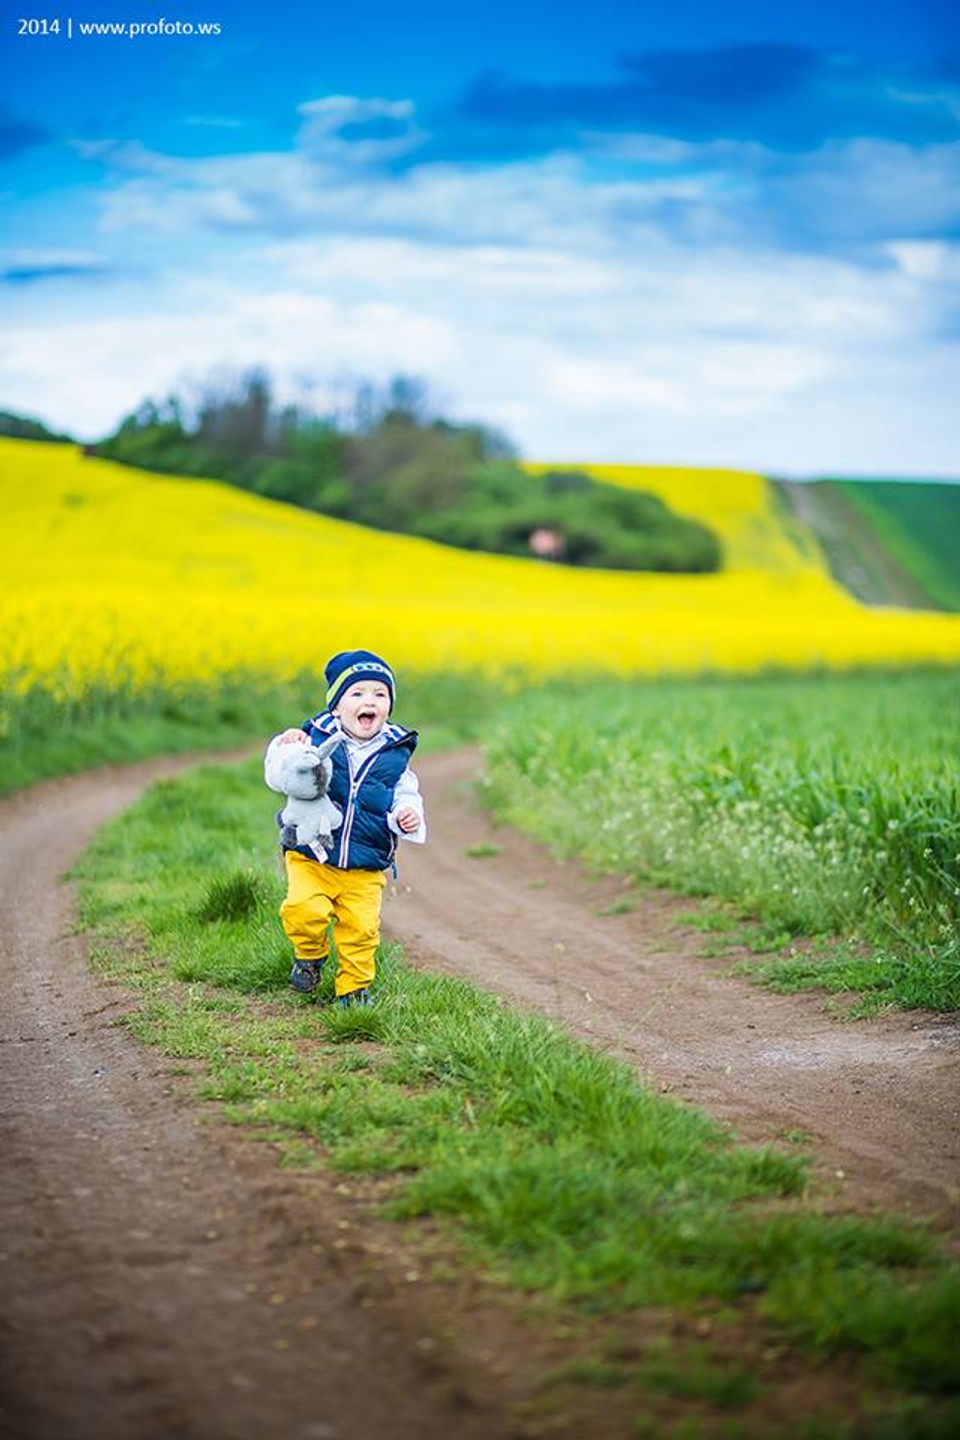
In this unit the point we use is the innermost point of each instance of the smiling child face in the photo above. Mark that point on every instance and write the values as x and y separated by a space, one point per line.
363 708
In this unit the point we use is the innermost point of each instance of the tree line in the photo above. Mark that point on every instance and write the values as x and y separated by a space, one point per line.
387 459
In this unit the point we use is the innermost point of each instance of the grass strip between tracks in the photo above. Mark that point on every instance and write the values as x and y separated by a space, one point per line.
554 1166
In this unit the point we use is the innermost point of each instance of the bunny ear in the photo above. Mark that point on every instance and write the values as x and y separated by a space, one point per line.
328 746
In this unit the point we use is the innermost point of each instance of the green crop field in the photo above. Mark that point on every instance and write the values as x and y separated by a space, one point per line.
889 542
818 806
920 526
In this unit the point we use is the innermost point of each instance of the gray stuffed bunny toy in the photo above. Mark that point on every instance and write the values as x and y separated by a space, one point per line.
302 772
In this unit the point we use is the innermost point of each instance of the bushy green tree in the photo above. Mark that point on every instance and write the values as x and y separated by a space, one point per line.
393 463
24 427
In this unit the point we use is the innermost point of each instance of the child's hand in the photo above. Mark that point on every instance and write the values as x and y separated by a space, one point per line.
289 736
407 818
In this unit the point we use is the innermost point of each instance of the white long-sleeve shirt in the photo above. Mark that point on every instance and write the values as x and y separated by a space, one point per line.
406 792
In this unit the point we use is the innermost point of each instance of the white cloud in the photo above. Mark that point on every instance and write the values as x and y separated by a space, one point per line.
573 311
91 370
342 176
658 294
655 378
342 130
868 191
292 193
49 258
216 122
592 385
926 259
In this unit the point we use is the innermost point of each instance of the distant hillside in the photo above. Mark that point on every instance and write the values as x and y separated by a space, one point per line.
400 467
889 542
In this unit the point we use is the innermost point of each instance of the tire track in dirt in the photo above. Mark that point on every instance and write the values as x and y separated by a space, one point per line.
880 1098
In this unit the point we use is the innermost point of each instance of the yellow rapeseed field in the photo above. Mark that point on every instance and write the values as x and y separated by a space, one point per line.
116 577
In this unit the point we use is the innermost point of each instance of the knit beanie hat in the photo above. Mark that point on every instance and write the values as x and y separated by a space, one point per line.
350 666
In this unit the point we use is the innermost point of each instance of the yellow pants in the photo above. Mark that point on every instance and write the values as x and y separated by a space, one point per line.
315 893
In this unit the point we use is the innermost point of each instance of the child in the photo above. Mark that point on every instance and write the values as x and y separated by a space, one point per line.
379 798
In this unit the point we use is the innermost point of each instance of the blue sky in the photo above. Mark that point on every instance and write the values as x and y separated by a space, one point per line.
710 234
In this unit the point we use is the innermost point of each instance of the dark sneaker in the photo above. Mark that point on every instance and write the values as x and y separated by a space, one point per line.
355 997
305 975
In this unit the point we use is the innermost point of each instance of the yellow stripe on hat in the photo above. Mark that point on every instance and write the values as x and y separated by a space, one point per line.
368 667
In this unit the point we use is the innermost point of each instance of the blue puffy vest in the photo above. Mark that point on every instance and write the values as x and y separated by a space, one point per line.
363 841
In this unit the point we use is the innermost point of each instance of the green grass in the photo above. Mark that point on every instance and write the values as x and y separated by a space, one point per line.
688 1372
919 525
815 806
862 559
113 726
556 1169
43 735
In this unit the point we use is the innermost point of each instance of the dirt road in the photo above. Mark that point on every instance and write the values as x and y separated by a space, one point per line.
163 1278
880 1099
